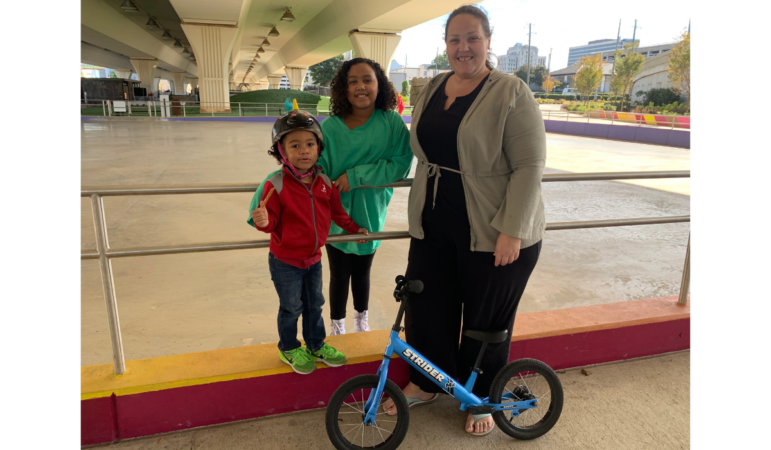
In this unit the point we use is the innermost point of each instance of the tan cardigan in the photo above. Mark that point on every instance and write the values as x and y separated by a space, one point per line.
502 151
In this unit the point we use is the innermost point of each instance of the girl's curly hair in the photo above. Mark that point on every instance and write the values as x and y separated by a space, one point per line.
338 102
277 154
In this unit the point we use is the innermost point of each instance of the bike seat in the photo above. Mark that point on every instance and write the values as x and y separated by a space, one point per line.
491 337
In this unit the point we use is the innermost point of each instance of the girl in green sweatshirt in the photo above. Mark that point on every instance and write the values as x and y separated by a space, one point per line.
367 144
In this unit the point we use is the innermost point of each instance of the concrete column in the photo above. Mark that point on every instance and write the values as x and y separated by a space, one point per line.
212 45
275 81
156 89
379 47
123 74
296 76
179 82
145 69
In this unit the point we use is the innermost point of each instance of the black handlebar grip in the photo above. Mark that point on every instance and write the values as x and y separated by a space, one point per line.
415 286
399 279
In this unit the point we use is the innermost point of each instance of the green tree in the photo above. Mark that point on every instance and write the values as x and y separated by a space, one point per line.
522 73
680 67
547 84
589 76
441 62
538 75
323 72
405 88
625 70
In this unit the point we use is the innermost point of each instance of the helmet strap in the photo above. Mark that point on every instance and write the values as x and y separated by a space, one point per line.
292 168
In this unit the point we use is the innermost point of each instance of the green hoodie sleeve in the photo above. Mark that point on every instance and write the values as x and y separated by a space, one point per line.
258 196
386 171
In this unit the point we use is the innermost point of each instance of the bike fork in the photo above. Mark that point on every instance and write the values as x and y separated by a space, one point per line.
370 408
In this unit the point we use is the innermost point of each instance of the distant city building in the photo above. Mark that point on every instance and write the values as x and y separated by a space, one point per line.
516 57
541 61
420 71
594 47
648 52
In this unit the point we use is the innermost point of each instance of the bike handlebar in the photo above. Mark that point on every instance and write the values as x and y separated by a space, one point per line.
403 286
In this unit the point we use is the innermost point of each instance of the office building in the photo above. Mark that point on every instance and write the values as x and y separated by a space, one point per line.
594 47
516 57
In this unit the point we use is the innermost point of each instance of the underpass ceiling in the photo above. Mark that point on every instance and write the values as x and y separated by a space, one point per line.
319 31
105 25
261 17
162 12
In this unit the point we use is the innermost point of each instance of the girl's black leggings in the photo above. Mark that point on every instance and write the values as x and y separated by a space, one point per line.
347 268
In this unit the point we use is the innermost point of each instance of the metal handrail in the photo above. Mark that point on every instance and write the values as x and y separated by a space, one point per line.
105 191
380 236
104 254
151 107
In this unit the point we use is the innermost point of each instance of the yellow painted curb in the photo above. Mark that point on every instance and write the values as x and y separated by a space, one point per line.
193 369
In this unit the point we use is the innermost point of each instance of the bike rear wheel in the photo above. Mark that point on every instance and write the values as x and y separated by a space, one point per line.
528 379
345 416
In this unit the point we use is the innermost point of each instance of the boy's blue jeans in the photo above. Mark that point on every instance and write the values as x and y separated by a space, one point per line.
299 293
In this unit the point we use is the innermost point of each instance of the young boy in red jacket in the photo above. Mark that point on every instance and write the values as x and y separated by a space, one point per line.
296 208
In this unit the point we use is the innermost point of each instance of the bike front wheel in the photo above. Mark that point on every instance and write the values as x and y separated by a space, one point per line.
345 416
527 379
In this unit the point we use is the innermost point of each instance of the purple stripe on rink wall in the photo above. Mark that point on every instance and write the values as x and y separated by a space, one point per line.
656 136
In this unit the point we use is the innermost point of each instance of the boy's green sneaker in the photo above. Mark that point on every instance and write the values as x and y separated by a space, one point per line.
300 360
329 356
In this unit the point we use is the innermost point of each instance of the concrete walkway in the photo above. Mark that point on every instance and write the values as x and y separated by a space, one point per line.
642 404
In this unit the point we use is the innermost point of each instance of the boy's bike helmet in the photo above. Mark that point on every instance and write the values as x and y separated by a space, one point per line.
294 120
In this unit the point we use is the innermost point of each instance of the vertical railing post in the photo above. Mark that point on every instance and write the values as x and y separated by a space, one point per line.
108 284
685 284
128 104
183 109
266 110
104 110
239 109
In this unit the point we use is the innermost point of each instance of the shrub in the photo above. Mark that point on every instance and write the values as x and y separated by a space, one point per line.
591 106
554 96
659 96
674 108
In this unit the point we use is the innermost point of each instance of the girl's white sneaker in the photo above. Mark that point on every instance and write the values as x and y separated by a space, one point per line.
360 321
338 327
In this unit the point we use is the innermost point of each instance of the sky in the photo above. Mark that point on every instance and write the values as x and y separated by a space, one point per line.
562 25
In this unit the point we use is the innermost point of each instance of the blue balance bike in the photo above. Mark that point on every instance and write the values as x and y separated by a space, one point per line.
525 397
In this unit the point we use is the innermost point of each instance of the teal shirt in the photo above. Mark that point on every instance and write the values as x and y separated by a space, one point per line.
374 154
